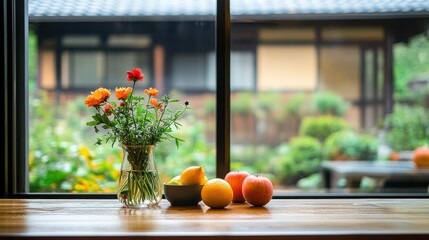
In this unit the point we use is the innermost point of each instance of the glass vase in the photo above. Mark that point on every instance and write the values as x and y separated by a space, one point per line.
139 184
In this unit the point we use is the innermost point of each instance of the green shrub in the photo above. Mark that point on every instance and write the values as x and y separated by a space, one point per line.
209 106
241 103
321 127
330 103
266 101
348 145
294 105
408 127
302 160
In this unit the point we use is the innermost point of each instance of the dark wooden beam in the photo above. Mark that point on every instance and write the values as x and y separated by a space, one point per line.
223 92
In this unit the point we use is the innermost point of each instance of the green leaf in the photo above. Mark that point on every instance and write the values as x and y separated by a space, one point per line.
92 123
105 119
97 117
178 140
174 100
177 143
150 115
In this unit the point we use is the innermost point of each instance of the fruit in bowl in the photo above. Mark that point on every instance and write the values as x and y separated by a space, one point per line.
175 181
193 175
185 189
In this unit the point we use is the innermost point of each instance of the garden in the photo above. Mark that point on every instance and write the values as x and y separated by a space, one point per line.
286 142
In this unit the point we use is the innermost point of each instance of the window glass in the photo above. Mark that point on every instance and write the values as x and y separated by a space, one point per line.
321 95
75 50
189 68
242 70
85 68
319 117
80 41
119 61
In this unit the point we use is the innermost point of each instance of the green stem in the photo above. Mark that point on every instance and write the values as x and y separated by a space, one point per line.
132 110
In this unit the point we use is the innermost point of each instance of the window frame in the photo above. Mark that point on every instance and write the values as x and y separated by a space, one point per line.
15 73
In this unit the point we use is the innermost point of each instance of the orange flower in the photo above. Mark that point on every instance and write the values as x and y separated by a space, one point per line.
151 92
154 102
97 97
122 93
135 75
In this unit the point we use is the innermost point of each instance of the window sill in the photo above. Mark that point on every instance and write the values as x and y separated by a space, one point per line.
295 219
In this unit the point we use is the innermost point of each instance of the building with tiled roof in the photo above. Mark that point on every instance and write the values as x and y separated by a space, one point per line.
287 46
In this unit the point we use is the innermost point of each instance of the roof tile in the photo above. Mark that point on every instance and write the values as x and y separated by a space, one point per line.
139 8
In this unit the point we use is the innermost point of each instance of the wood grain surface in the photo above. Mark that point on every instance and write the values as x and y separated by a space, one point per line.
294 219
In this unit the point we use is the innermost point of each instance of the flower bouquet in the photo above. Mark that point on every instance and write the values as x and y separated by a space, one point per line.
138 124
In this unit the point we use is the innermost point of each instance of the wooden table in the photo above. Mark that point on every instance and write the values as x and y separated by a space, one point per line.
401 174
294 219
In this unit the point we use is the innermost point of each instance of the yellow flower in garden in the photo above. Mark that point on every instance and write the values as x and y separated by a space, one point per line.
86 186
151 92
97 97
122 93
85 153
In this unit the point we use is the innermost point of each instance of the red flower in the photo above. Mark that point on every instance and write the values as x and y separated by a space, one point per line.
135 75
108 109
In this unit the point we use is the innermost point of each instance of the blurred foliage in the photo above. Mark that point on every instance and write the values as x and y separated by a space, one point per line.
311 182
302 160
410 59
320 127
59 159
32 59
242 103
349 145
209 106
268 101
330 103
171 161
407 127
295 104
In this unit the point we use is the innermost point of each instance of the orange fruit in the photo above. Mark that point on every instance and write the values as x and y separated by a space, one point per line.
193 175
217 193
421 157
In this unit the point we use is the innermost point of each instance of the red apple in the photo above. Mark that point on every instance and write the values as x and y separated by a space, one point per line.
235 179
257 190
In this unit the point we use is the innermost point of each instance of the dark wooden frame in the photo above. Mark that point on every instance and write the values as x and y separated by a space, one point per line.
13 165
